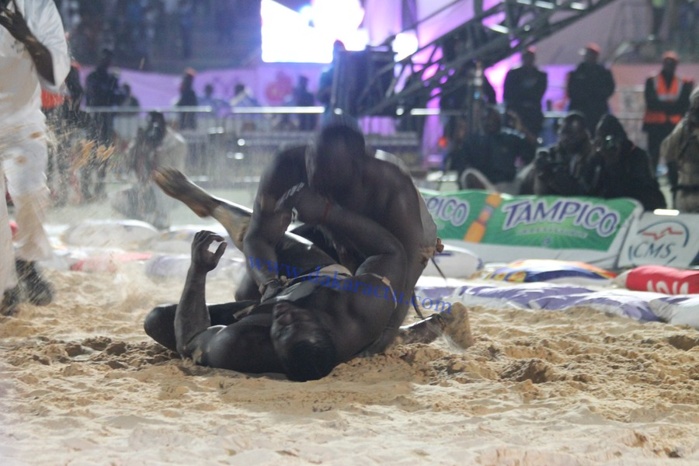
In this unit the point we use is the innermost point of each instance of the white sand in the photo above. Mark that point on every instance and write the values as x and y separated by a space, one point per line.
81 384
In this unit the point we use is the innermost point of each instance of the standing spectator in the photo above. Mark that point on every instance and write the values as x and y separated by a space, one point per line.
325 84
667 100
524 88
304 98
681 152
33 49
590 86
466 93
188 98
101 90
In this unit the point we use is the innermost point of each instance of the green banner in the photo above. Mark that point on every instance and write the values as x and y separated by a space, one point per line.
542 221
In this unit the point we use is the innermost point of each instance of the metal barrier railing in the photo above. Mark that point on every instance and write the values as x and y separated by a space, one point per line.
238 145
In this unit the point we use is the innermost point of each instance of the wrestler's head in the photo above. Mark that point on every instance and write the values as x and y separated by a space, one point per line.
333 160
302 344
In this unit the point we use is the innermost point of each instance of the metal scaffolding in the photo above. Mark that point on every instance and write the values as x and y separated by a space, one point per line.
392 88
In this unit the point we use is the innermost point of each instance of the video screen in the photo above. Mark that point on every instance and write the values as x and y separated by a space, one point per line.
304 31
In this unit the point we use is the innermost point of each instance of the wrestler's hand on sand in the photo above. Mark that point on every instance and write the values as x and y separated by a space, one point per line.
204 260
15 23
310 206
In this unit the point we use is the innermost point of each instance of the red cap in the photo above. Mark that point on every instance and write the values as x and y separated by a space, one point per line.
592 46
670 55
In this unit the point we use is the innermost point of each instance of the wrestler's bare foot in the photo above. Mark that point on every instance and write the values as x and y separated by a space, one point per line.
458 325
426 331
177 185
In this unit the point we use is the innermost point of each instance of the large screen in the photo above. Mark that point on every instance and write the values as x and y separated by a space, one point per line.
298 32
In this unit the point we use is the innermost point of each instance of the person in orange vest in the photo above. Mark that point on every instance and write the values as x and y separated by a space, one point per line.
667 100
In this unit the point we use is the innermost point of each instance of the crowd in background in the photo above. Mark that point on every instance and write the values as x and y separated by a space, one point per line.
497 148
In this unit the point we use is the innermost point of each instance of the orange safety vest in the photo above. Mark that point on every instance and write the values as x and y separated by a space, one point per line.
665 94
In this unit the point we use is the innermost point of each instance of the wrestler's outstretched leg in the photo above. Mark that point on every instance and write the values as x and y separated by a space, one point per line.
293 249
234 218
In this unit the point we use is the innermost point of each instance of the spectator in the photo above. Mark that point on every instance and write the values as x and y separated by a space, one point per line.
304 98
101 90
325 84
219 107
33 50
188 98
491 160
157 146
681 152
465 94
624 169
242 97
564 169
524 88
129 100
590 86
667 100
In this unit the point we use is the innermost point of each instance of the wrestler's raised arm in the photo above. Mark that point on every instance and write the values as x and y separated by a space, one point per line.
267 225
385 254
192 316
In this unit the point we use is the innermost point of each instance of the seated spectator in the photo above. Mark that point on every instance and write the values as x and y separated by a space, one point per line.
624 169
565 168
491 159
130 101
681 153
156 146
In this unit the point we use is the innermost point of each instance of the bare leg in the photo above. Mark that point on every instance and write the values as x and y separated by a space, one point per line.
234 218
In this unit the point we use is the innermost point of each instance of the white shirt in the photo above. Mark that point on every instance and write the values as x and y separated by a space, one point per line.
20 85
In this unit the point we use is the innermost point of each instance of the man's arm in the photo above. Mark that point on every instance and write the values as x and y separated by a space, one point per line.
609 85
192 318
541 86
267 225
49 52
385 254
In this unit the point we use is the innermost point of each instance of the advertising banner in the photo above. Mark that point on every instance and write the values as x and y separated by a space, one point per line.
503 228
662 240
